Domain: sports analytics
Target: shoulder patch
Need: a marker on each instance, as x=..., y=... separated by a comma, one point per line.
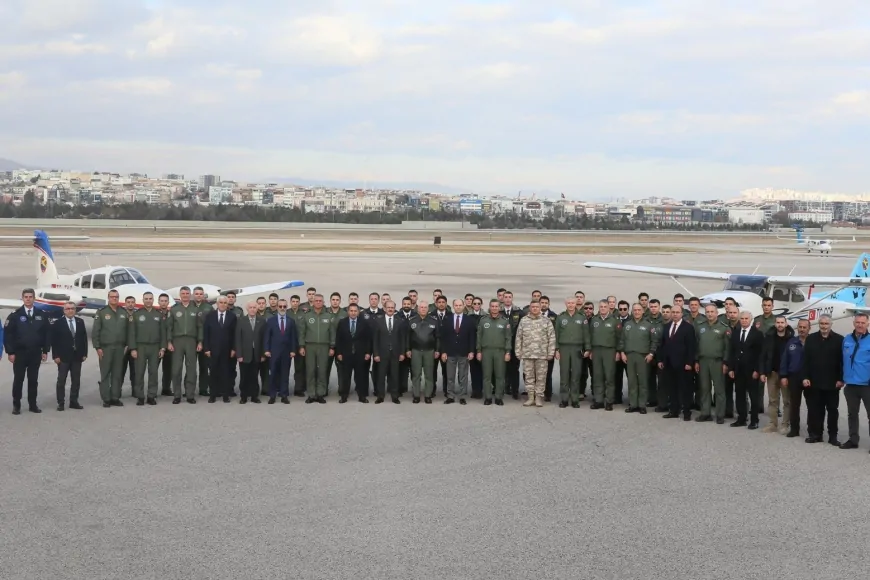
x=108, y=317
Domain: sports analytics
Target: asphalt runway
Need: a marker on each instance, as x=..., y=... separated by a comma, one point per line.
x=416, y=491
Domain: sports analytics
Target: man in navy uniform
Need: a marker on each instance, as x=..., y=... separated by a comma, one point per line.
x=26, y=340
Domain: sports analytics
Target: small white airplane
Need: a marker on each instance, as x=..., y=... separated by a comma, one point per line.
x=789, y=298
x=90, y=289
x=822, y=246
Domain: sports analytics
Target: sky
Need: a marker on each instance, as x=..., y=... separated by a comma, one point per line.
x=688, y=98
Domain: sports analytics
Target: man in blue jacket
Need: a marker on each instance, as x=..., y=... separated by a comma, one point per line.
x=856, y=375
x=791, y=376
x=280, y=343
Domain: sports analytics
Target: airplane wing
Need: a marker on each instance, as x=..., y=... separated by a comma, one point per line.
x=842, y=281
x=260, y=288
x=52, y=307
x=11, y=304
x=30, y=238
x=671, y=272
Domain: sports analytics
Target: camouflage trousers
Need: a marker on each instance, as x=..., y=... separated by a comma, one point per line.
x=535, y=375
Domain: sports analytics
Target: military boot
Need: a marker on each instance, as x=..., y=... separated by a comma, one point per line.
x=772, y=425
x=539, y=400
x=531, y=401
x=785, y=427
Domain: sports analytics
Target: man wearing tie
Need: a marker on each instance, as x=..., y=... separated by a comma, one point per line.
x=391, y=346
x=218, y=343
x=745, y=368
x=69, y=349
x=353, y=348
x=457, y=348
x=249, y=350
x=27, y=344
x=676, y=357
x=280, y=345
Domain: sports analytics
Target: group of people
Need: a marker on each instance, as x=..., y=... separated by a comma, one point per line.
x=676, y=358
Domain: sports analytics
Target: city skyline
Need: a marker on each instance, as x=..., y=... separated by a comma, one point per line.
x=626, y=99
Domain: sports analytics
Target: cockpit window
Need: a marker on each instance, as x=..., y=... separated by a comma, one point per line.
x=137, y=276
x=119, y=278
x=754, y=284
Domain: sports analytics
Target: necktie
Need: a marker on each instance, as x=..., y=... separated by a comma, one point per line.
x=743, y=336
x=673, y=329
x=281, y=320
x=458, y=319
x=222, y=318
x=353, y=327
x=390, y=325
x=72, y=326
x=253, y=322
x=29, y=313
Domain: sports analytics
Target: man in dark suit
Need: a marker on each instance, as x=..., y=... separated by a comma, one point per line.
x=744, y=367
x=280, y=345
x=512, y=372
x=69, y=349
x=475, y=367
x=353, y=348
x=218, y=344
x=249, y=351
x=458, y=343
x=440, y=314
x=390, y=347
x=676, y=357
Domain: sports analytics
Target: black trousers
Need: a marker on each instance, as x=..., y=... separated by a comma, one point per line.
x=248, y=385
x=652, y=385
x=676, y=386
x=404, y=375
x=617, y=381
x=745, y=385
x=73, y=370
x=729, y=396
x=203, y=373
x=279, y=373
x=443, y=366
x=548, y=386
x=357, y=370
x=219, y=374
x=511, y=375
x=855, y=395
x=263, y=369
x=299, y=380
x=585, y=375
x=818, y=402
x=476, y=369
x=26, y=363
x=166, y=380
x=129, y=362
x=234, y=374
x=796, y=392
x=388, y=376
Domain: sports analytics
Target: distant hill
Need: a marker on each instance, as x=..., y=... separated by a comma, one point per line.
x=412, y=185
x=8, y=165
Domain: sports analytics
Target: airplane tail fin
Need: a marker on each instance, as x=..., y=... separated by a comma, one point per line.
x=800, y=234
x=856, y=294
x=46, y=271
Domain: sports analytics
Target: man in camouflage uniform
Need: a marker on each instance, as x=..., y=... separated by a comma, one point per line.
x=604, y=329
x=110, y=336
x=637, y=346
x=535, y=346
x=714, y=348
x=494, y=338
x=572, y=340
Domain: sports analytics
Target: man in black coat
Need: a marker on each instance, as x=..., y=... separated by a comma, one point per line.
x=69, y=349
x=218, y=344
x=823, y=379
x=249, y=352
x=676, y=356
x=26, y=340
x=390, y=347
x=745, y=367
x=458, y=341
x=353, y=348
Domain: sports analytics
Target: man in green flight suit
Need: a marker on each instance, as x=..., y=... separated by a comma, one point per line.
x=494, y=343
x=604, y=329
x=637, y=345
x=316, y=339
x=572, y=340
x=184, y=341
x=110, y=336
x=714, y=347
x=147, y=343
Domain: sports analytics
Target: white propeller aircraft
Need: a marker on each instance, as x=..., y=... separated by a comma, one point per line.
x=90, y=289
x=822, y=246
x=789, y=297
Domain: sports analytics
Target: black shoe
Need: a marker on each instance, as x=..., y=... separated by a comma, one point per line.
x=499, y=403
x=256, y=400
x=203, y=393
x=321, y=400
x=397, y=401
x=166, y=393
x=462, y=401
x=416, y=400
x=834, y=442
x=487, y=402
x=151, y=401
x=449, y=401
x=729, y=414
x=309, y=400
x=753, y=425
x=563, y=405
x=516, y=396
x=60, y=406
x=661, y=409
x=226, y=399
x=739, y=423
x=652, y=404
x=299, y=393
x=271, y=400
x=75, y=405
x=642, y=410
x=687, y=417
x=476, y=396
x=192, y=401
x=16, y=410
x=379, y=400
x=608, y=407
x=427, y=400
x=212, y=399
x=34, y=409
x=703, y=418
x=792, y=434
x=116, y=403
x=140, y=402
x=670, y=415
x=175, y=401
x=720, y=421
x=631, y=410
x=342, y=400
x=575, y=405
x=547, y=398
x=849, y=445
x=363, y=400
x=596, y=406
x=243, y=401
x=285, y=400
x=813, y=440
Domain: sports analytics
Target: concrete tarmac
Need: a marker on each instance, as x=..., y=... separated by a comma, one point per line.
x=417, y=491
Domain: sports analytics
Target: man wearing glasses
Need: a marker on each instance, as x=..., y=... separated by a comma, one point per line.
x=69, y=349
x=280, y=343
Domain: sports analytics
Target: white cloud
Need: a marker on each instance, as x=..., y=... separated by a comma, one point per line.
x=11, y=81
x=327, y=41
